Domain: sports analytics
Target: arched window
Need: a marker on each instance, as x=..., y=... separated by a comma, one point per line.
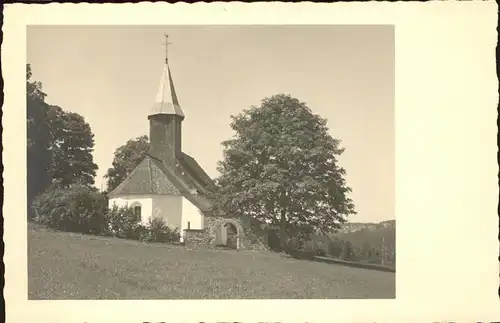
x=136, y=207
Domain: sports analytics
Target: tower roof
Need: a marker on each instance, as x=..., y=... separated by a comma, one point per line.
x=166, y=98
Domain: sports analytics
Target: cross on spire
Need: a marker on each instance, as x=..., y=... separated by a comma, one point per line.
x=166, y=48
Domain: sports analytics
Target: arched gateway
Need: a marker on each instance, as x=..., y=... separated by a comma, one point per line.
x=228, y=234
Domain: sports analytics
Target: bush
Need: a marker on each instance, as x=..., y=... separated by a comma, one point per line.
x=348, y=252
x=123, y=222
x=273, y=240
x=76, y=209
x=84, y=210
x=320, y=252
x=335, y=248
x=299, y=247
x=157, y=230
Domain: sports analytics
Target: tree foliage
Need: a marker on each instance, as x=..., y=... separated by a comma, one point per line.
x=77, y=208
x=126, y=158
x=33, y=88
x=38, y=155
x=159, y=231
x=281, y=167
x=124, y=222
x=72, y=144
x=59, y=144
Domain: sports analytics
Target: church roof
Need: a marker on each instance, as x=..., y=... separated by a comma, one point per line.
x=146, y=178
x=188, y=188
x=195, y=171
x=166, y=98
x=152, y=176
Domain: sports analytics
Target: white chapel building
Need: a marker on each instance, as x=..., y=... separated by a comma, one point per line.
x=167, y=183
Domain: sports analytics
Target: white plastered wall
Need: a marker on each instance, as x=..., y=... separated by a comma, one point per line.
x=177, y=211
x=169, y=208
x=191, y=214
x=146, y=202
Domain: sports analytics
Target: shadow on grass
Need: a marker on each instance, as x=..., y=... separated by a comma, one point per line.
x=312, y=257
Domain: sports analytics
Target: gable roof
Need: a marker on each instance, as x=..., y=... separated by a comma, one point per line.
x=146, y=178
x=152, y=176
x=195, y=170
x=186, y=187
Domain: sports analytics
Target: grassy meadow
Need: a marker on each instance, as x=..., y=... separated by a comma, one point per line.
x=73, y=266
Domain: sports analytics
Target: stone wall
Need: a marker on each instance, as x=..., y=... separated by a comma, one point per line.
x=251, y=233
x=195, y=238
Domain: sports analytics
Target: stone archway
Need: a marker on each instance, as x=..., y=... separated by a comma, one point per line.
x=228, y=234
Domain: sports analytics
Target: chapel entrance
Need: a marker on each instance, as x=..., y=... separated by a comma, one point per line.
x=227, y=236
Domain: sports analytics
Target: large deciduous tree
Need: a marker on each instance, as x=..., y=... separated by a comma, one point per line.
x=33, y=88
x=281, y=167
x=126, y=159
x=72, y=144
x=38, y=140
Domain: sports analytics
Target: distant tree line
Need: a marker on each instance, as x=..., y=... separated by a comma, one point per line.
x=365, y=246
x=368, y=252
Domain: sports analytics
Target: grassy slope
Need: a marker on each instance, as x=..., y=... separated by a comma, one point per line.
x=72, y=266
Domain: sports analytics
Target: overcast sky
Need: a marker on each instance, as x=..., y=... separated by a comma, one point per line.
x=110, y=75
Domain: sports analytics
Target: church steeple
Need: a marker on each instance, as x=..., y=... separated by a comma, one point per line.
x=165, y=119
x=166, y=98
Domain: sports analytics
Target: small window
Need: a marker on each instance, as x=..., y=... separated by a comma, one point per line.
x=136, y=207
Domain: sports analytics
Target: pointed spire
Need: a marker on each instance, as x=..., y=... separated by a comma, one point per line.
x=166, y=98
